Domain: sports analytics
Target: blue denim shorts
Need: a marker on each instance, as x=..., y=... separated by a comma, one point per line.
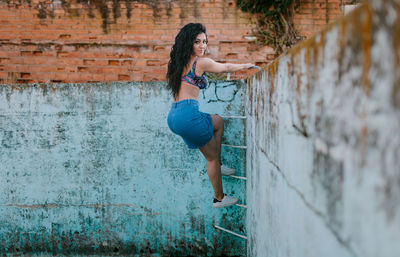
x=185, y=120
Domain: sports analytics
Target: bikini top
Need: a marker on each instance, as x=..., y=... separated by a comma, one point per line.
x=193, y=79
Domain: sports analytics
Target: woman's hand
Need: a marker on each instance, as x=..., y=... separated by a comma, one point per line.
x=245, y=66
x=249, y=65
x=252, y=66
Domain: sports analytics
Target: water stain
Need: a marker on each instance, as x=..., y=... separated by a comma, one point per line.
x=110, y=11
x=327, y=177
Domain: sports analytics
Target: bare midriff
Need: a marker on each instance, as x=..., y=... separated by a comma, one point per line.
x=187, y=91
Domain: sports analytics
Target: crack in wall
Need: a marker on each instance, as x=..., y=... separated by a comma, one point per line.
x=302, y=129
x=318, y=213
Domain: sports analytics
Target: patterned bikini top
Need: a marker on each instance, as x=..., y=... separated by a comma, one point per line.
x=193, y=79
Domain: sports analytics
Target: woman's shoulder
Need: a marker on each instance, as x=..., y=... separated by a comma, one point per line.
x=204, y=61
x=209, y=65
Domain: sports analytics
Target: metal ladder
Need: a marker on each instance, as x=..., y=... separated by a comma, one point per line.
x=236, y=177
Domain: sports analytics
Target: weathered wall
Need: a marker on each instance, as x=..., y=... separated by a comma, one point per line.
x=93, y=168
x=128, y=40
x=324, y=143
x=122, y=40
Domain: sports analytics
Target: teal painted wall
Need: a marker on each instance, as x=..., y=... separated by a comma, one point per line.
x=93, y=168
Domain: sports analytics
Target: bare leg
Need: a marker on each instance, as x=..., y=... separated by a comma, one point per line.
x=212, y=153
x=218, y=124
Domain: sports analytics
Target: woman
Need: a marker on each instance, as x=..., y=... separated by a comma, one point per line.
x=186, y=77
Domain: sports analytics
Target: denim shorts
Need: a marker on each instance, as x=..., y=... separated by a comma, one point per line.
x=185, y=120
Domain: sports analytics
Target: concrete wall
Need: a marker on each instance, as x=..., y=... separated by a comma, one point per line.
x=93, y=168
x=324, y=143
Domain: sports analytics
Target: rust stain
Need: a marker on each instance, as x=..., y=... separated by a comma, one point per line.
x=272, y=73
x=309, y=62
x=272, y=76
x=396, y=50
x=307, y=54
x=319, y=51
x=341, y=43
x=366, y=41
x=258, y=75
x=359, y=38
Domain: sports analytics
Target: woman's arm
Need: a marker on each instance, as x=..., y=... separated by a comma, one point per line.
x=209, y=65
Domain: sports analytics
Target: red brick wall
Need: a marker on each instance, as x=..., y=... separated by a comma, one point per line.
x=313, y=15
x=54, y=41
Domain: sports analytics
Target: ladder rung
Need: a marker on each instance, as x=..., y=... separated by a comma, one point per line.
x=235, y=146
x=233, y=117
x=238, y=177
x=230, y=232
x=241, y=205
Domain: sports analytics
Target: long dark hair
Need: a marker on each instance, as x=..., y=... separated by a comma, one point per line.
x=180, y=54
